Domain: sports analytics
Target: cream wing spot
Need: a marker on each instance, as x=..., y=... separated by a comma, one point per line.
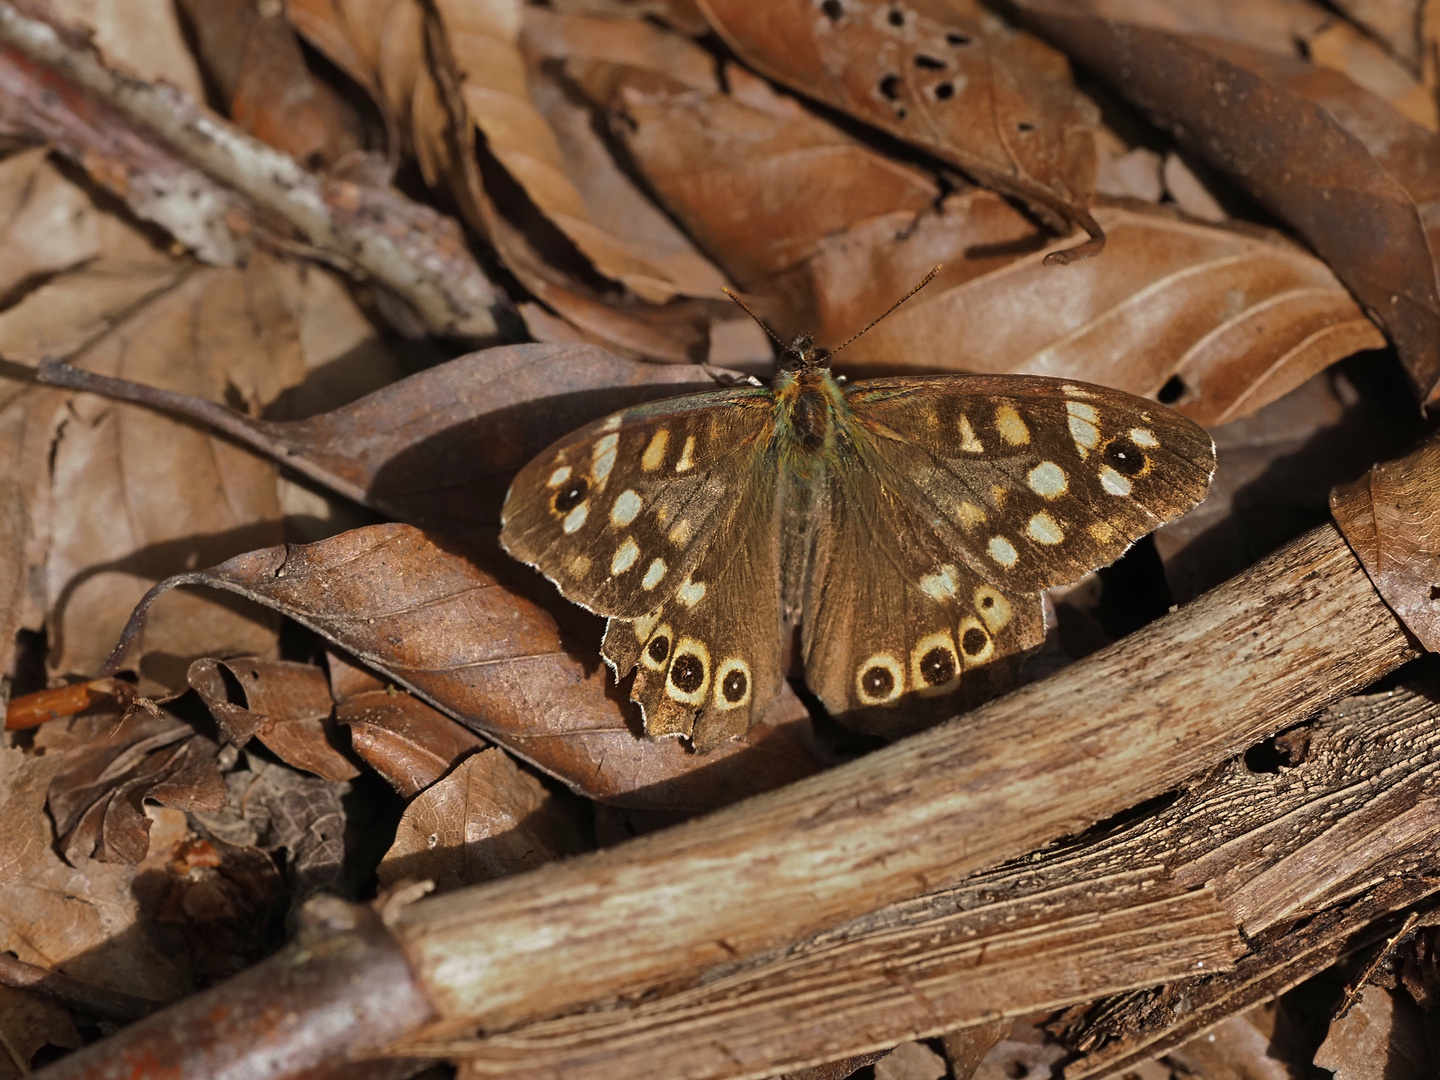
x=1082, y=411
x=1048, y=480
x=1085, y=434
x=604, y=457
x=1144, y=437
x=994, y=609
x=689, y=672
x=971, y=515
x=680, y=533
x=1044, y=529
x=643, y=625
x=654, y=455
x=612, y=423
x=968, y=442
x=626, y=508
x=559, y=476
x=934, y=667
x=687, y=455
x=1113, y=482
x=580, y=565
x=940, y=585
x=1012, y=429
x=879, y=679
x=1002, y=551
x=576, y=517
x=732, y=683
x=625, y=556
x=1075, y=391
x=653, y=574
x=690, y=592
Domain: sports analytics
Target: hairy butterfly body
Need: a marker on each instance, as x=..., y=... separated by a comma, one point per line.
x=908, y=525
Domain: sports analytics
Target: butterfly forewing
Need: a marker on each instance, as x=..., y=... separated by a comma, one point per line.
x=618, y=513
x=1032, y=482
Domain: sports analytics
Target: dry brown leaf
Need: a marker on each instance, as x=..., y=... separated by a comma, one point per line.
x=1235, y=1049
x=1391, y=518
x=409, y=743
x=49, y=223
x=137, y=495
x=435, y=621
x=85, y=923
x=285, y=705
x=967, y=1048
x=487, y=819
x=1382, y=1037
x=1239, y=318
x=1252, y=114
x=29, y=1023
x=631, y=41
x=911, y=1061
x=253, y=58
x=142, y=35
x=1344, y=48
x=756, y=179
x=947, y=77
x=1273, y=473
x=24, y=780
x=111, y=767
x=1395, y=22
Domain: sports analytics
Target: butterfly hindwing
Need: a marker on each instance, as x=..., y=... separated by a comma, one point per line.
x=707, y=661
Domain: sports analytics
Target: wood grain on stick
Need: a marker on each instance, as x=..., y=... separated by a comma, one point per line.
x=1251, y=657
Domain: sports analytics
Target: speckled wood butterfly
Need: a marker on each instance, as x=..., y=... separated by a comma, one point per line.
x=908, y=525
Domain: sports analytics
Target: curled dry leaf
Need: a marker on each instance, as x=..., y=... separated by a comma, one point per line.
x=1384, y=1036
x=948, y=78
x=85, y=923
x=50, y=224
x=433, y=620
x=112, y=766
x=1236, y=1047
x=408, y=742
x=1391, y=518
x=136, y=494
x=285, y=705
x=755, y=178
x=1240, y=108
x=1238, y=317
x=487, y=819
x=438, y=448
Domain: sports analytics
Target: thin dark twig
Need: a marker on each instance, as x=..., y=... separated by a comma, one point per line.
x=97, y=1000
x=1353, y=991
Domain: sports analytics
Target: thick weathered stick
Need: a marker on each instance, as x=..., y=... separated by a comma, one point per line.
x=1351, y=801
x=182, y=166
x=1253, y=656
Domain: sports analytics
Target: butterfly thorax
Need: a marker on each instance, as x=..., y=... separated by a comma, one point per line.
x=809, y=405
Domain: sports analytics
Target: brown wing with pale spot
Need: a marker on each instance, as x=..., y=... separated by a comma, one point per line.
x=708, y=660
x=618, y=513
x=892, y=617
x=1032, y=482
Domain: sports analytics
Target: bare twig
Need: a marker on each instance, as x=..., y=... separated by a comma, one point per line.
x=190, y=171
x=97, y=1000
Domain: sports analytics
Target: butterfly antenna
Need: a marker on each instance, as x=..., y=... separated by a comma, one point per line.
x=759, y=321
x=923, y=282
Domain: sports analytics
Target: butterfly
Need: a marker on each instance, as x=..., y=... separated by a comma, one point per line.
x=907, y=525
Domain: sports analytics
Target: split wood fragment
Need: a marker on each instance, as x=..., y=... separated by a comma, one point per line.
x=1158, y=900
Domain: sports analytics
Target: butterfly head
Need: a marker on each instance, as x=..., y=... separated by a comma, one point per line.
x=803, y=355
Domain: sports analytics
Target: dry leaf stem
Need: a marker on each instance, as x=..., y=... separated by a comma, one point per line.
x=369, y=232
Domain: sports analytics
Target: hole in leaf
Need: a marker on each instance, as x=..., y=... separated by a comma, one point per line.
x=1024, y=125
x=1435, y=592
x=929, y=63
x=945, y=91
x=832, y=10
x=1173, y=390
x=896, y=17
x=954, y=37
x=890, y=86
